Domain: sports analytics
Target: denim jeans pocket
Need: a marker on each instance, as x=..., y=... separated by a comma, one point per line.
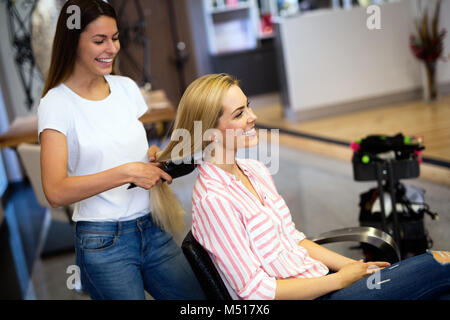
x=96, y=241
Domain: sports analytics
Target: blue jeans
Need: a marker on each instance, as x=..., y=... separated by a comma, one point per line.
x=119, y=260
x=420, y=277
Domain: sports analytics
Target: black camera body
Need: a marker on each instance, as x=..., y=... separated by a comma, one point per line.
x=403, y=154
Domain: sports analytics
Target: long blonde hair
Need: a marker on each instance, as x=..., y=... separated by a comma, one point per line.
x=202, y=101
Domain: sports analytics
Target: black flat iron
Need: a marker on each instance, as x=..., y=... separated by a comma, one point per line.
x=176, y=168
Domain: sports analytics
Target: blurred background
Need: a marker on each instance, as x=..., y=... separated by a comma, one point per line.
x=325, y=73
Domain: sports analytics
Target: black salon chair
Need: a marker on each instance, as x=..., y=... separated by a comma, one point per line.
x=204, y=269
x=215, y=289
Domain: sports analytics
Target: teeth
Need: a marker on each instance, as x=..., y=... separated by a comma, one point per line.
x=105, y=60
x=249, y=132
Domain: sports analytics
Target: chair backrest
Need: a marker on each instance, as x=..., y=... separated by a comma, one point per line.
x=30, y=155
x=204, y=269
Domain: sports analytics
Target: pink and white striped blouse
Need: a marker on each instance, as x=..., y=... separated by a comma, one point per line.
x=251, y=244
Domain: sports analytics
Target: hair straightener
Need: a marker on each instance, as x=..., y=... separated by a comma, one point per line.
x=181, y=168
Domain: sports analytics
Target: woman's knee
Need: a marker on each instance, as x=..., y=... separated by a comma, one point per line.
x=443, y=257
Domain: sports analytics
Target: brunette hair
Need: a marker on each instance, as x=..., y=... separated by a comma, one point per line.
x=65, y=42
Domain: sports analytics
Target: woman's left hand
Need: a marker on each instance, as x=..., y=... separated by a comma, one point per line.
x=151, y=153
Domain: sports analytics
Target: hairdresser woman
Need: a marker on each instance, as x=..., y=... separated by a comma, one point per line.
x=92, y=147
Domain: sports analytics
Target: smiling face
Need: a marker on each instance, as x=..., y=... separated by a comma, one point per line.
x=238, y=119
x=98, y=46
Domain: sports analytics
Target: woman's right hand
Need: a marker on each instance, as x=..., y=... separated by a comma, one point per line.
x=146, y=175
x=355, y=271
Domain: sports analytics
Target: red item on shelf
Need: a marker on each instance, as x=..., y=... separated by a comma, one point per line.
x=266, y=23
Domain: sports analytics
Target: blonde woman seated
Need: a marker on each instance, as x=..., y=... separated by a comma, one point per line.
x=245, y=225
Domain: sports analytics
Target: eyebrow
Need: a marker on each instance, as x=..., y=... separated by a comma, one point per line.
x=104, y=36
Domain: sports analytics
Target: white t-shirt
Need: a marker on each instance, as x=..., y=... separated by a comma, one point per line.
x=101, y=135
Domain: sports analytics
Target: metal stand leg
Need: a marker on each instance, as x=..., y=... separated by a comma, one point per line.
x=381, y=197
x=391, y=183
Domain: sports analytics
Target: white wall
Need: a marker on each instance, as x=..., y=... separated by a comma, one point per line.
x=199, y=36
x=444, y=67
x=331, y=57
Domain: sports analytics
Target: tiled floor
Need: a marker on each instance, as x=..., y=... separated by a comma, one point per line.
x=320, y=193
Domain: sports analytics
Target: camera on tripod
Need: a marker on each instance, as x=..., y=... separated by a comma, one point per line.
x=393, y=207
